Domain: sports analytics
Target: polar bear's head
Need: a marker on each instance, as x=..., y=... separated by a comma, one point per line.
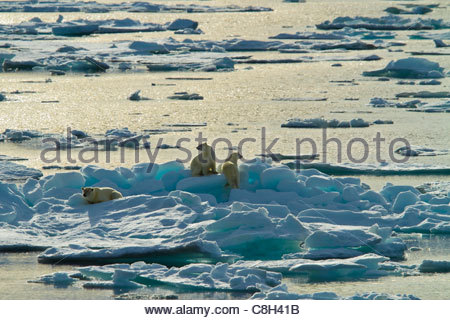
x=87, y=192
x=234, y=157
x=206, y=151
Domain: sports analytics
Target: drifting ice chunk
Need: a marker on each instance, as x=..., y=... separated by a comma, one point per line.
x=366, y=265
x=20, y=135
x=135, y=96
x=380, y=169
x=390, y=22
x=322, y=123
x=281, y=292
x=382, y=296
x=414, y=10
x=58, y=279
x=185, y=96
x=193, y=276
x=179, y=24
x=122, y=133
x=434, y=266
x=121, y=281
x=75, y=30
x=414, y=151
x=433, y=82
x=415, y=68
x=150, y=47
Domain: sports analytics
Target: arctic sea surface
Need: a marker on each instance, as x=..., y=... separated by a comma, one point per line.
x=357, y=222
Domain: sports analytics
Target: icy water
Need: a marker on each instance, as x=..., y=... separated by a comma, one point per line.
x=236, y=105
x=17, y=268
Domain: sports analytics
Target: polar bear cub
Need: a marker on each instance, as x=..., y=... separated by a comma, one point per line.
x=230, y=170
x=205, y=163
x=96, y=195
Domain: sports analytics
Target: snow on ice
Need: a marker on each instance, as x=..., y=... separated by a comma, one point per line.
x=190, y=232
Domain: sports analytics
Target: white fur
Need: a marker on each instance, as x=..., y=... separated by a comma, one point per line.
x=230, y=170
x=204, y=164
x=96, y=195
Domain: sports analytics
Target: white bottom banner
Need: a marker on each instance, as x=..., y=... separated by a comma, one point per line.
x=220, y=309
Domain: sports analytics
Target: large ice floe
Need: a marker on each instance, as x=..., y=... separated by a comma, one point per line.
x=390, y=22
x=193, y=233
x=415, y=68
x=281, y=292
x=199, y=276
x=167, y=215
x=344, y=34
x=323, y=123
x=379, y=169
x=415, y=105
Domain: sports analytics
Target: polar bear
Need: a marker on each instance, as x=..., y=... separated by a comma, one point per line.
x=205, y=163
x=230, y=170
x=96, y=195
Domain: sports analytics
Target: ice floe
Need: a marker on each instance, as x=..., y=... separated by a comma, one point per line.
x=8, y=158
x=381, y=169
x=409, y=68
x=221, y=276
x=277, y=202
x=323, y=123
x=422, y=35
x=323, y=270
x=415, y=10
x=11, y=171
x=424, y=94
x=20, y=135
x=281, y=292
x=136, y=96
x=344, y=34
x=432, y=107
x=390, y=22
x=185, y=96
x=58, y=279
x=383, y=103
x=190, y=232
x=429, y=266
x=414, y=151
x=218, y=277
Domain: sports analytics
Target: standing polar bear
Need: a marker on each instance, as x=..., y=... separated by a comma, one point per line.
x=205, y=163
x=96, y=195
x=231, y=171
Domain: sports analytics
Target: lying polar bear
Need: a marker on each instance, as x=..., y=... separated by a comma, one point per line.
x=96, y=195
